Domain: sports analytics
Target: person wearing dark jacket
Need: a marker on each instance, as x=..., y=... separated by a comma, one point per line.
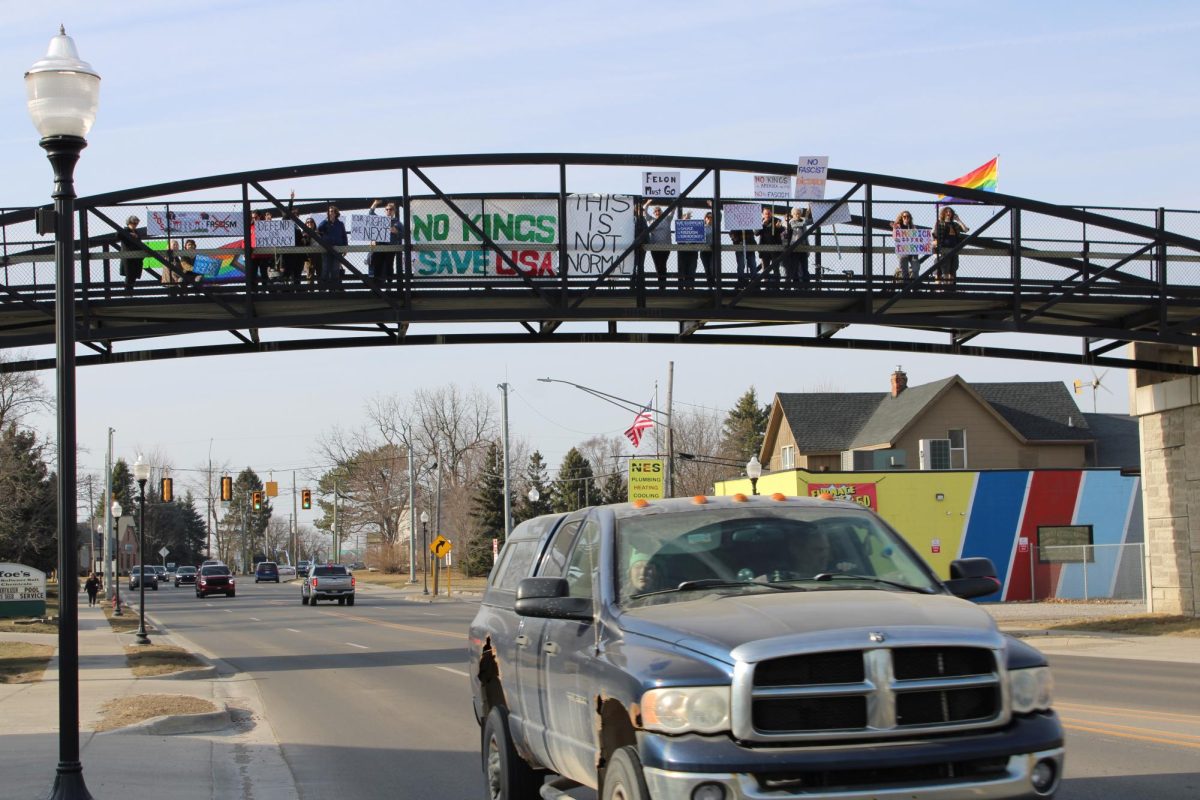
x=333, y=233
x=796, y=262
x=771, y=232
x=131, y=240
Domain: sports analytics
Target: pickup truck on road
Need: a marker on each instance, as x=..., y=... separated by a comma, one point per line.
x=745, y=648
x=330, y=582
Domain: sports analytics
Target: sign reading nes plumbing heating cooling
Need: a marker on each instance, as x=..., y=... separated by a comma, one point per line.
x=22, y=591
x=599, y=229
x=646, y=479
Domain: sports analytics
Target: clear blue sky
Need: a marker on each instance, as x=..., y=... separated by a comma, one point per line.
x=1086, y=102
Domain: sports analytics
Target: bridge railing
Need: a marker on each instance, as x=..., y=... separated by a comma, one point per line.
x=847, y=255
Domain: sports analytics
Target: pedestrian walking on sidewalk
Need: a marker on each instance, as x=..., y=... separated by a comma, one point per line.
x=92, y=586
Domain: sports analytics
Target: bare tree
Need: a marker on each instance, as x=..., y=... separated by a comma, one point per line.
x=21, y=393
x=698, y=435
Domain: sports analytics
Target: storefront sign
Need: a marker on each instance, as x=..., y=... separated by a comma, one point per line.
x=22, y=591
x=865, y=494
x=646, y=476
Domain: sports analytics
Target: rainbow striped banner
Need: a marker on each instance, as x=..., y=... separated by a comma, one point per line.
x=982, y=179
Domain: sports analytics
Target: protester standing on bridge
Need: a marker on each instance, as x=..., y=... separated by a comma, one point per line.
x=293, y=263
x=639, y=236
x=170, y=268
x=796, y=262
x=770, y=233
x=130, y=239
x=333, y=233
x=908, y=264
x=382, y=264
x=661, y=235
x=311, y=260
x=947, y=235
x=687, y=262
x=706, y=255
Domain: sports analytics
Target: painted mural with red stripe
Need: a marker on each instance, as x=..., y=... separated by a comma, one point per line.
x=1052, y=498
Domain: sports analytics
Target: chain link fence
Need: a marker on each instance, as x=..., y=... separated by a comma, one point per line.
x=1090, y=572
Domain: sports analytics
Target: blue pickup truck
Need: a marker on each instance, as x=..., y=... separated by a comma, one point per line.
x=744, y=648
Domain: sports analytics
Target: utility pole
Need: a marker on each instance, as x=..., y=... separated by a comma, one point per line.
x=507, y=494
x=109, y=522
x=337, y=543
x=670, y=432
x=294, y=556
x=412, y=519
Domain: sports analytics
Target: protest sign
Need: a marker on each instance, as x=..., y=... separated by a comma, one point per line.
x=660, y=184
x=370, y=228
x=206, y=266
x=811, y=173
x=913, y=241
x=193, y=223
x=599, y=230
x=840, y=214
x=741, y=216
x=772, y=187
x=689, y=231
x=274, y=233
x=525, y=230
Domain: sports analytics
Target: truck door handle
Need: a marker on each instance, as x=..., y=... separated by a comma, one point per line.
x=522, y=640
x=550, y=647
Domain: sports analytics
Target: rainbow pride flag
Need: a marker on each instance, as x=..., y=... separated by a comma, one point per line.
x=982, y=179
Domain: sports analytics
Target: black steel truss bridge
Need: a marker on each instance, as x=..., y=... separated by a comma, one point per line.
x=514, y=266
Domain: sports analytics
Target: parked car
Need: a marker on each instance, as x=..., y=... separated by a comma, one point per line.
x=358, y=566
x=729, y=647
x=215, y=579
x=328, y=582
x=185, y=575
x=302, y=569
x=266, y=571
x=135, y=577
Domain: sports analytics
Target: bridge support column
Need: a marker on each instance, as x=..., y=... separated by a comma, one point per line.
x=1168, y=412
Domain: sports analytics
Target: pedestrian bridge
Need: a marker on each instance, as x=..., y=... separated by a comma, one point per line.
x=514, y=248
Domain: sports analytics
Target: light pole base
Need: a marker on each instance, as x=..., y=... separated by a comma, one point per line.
x=141, y=638
x=68, y=784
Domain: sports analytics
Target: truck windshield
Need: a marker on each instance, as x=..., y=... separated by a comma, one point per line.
x=748, y=549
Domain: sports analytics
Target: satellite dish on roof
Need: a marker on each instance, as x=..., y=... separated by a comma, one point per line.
x=1095, y=384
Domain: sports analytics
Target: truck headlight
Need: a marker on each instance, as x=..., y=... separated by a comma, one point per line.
x=1030, y=689
x=690, y=709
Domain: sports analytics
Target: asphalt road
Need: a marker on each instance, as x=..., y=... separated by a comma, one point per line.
x=372, y=701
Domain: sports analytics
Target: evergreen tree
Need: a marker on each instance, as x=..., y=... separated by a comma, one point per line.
x=613, y=489
x=123, y=490
x=575, y=486
x=487, y=510
x=744, y=428
x=27, y=501
x=536, y=478
x=247, y=526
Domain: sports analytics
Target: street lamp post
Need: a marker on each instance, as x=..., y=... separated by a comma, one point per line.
x=116, y=513
x=63, y=94
x=753, y=472
x=141, y=473
x=425, y=550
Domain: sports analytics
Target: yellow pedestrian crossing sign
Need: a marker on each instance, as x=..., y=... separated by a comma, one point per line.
x=440, y=546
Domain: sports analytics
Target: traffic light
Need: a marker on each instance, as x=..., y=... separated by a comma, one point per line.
x=226, y=489
x=256, y=499
x=166, y=490
x=306, y=499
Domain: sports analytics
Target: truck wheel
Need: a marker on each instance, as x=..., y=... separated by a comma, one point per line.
x=341, y=601
x=303, y=600
x=350, y=601
x=623, y=779
x=506, y=774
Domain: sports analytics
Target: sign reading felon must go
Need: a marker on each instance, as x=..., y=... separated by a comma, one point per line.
x=22, y=591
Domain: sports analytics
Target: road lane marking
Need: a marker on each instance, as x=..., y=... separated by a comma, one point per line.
x=1155, y=739
x=254, y=619
x=1135, y=713
x=1115, y=727
x=430, y=614
x=398, y=626
x=360, y=646
x=228, y=611
x=293, y=630
x=455, y=671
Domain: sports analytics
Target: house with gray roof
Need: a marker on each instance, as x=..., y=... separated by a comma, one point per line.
x=946, y=424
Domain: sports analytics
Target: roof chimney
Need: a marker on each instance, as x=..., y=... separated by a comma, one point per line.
x=899, y=382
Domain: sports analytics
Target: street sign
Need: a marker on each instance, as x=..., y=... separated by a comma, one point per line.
x=440, y=546
x=128, y=547
x=163, y=552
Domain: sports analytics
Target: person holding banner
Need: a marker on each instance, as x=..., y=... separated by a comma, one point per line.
x=332, y=231
x=292, y=264
x=382, y=264
x=130, y=239
x=706, y=255
x=908, y=264
x=746, y=265
x=661, y=235
x=687, y=262
x=771, y=233
x=796, y=262
x=947, y=235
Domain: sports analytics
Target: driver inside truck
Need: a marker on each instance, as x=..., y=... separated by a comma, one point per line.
x=644, y=575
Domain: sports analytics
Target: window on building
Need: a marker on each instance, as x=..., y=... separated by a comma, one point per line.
x=787, y=457
x=958, y=448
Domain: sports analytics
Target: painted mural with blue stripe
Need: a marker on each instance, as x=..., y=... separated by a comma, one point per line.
x=1106, y=499
x=995, y=514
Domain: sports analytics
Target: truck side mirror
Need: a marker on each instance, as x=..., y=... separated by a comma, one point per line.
x=548, y=597
x=973, y=577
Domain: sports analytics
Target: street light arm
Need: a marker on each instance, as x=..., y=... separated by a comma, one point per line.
x=620, y=402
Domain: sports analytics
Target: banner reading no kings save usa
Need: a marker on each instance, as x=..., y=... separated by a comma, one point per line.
x=599, y=229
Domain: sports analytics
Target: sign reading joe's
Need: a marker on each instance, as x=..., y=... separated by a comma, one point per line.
x=22, y=591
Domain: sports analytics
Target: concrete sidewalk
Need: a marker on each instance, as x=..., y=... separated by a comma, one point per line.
x=241, y=759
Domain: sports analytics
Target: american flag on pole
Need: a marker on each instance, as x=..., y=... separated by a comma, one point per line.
x=641, y=423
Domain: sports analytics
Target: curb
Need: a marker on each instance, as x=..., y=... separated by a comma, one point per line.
x=175, y=724
x=207, y=672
